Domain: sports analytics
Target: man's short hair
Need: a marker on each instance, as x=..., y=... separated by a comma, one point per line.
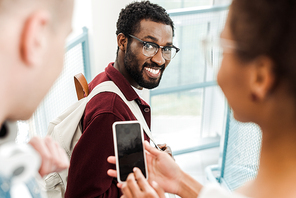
x=131, y=16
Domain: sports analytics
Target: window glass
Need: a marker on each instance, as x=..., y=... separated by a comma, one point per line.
x=188, y=106
x=174, y=4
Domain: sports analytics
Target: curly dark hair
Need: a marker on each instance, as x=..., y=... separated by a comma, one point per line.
x=130, y=17
x=267, y=27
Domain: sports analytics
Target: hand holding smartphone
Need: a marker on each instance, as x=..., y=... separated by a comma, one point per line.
x=129, y=149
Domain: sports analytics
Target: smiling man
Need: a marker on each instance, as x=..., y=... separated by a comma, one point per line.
x=145, y=48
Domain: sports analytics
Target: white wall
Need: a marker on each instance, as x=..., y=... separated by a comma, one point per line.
x=100, y=18
x=105, y=15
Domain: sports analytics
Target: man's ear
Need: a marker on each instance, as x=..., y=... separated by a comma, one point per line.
x=122, y=41
x=34, y=38
x=262, y=77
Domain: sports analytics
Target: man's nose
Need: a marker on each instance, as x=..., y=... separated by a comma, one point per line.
x=158, y=58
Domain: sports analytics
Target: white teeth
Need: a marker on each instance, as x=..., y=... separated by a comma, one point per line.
x=154, y=71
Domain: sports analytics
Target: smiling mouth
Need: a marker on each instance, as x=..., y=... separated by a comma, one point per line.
x=153, y=73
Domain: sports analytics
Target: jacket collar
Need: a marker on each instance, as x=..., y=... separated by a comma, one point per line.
x=121, y=83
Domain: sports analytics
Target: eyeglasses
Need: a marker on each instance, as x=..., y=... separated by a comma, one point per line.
x=150, y=49
x=214, y=49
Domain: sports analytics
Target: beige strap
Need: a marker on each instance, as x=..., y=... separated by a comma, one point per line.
x=82, y=91
x=81, y=86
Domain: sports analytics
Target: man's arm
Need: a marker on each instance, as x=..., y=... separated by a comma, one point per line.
x=166, y=148
x=87, y=175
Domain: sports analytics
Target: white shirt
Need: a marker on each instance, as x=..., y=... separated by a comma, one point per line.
x=216, y=191
x=20, y=190
x=138, y=91
x=12, y=158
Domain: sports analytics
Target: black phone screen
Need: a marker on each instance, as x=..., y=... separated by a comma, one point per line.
x=129, y=149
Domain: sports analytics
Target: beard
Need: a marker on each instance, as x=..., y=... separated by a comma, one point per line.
x=137, y=72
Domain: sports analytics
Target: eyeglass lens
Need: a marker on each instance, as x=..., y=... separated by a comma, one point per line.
x=151, y=49
x=213, y=54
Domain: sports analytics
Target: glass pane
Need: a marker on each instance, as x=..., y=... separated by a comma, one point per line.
x=176, y=118
x=242, y=153
x=62, y=94
x=174, y=4
x=189, y=65
x=181, y=119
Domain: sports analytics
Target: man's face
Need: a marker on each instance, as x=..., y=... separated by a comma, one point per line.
x=147, y=71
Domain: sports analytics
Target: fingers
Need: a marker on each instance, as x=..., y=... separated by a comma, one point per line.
x=166, y=149
x=111, y=159
x=142, y=182
x=130, y=188
x=162, y=146
x=54, y=158
x=40, y=146
x=54, y=152
x=119, y=185
x=64, y=160
x=137, y=186
x=158, y=189
x=151, y=149
x=169, y=151
x=112, y=173
x=59, y=158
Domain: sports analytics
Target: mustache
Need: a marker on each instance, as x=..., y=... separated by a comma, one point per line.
x=153, y=65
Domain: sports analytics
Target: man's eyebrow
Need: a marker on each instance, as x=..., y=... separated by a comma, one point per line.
x=155, y=39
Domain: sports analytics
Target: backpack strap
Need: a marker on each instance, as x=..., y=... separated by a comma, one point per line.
x=109, y=86
x=81, y=86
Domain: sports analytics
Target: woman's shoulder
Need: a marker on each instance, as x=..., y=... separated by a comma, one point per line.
x=216, y=191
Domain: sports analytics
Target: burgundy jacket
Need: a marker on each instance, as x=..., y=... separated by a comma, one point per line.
x=88, y=166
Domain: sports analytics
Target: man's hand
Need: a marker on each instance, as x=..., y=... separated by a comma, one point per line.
x=137, y=186
x=166, y=149
x=161, y=169
x=54, y=158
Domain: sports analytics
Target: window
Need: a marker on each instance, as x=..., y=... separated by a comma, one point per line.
x=175, y=4
x=188, y=106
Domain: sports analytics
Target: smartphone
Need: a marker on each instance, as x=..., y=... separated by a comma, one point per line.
x=129, y=148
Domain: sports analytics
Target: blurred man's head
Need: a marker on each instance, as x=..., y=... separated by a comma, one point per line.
x=145, y=42
x=32, y=43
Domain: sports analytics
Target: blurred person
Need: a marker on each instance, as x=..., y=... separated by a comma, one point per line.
x=257, y=76
x=145, y=48
x=32, y=44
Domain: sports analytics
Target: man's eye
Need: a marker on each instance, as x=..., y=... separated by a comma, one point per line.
x=149, y=47
x=167, y=49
